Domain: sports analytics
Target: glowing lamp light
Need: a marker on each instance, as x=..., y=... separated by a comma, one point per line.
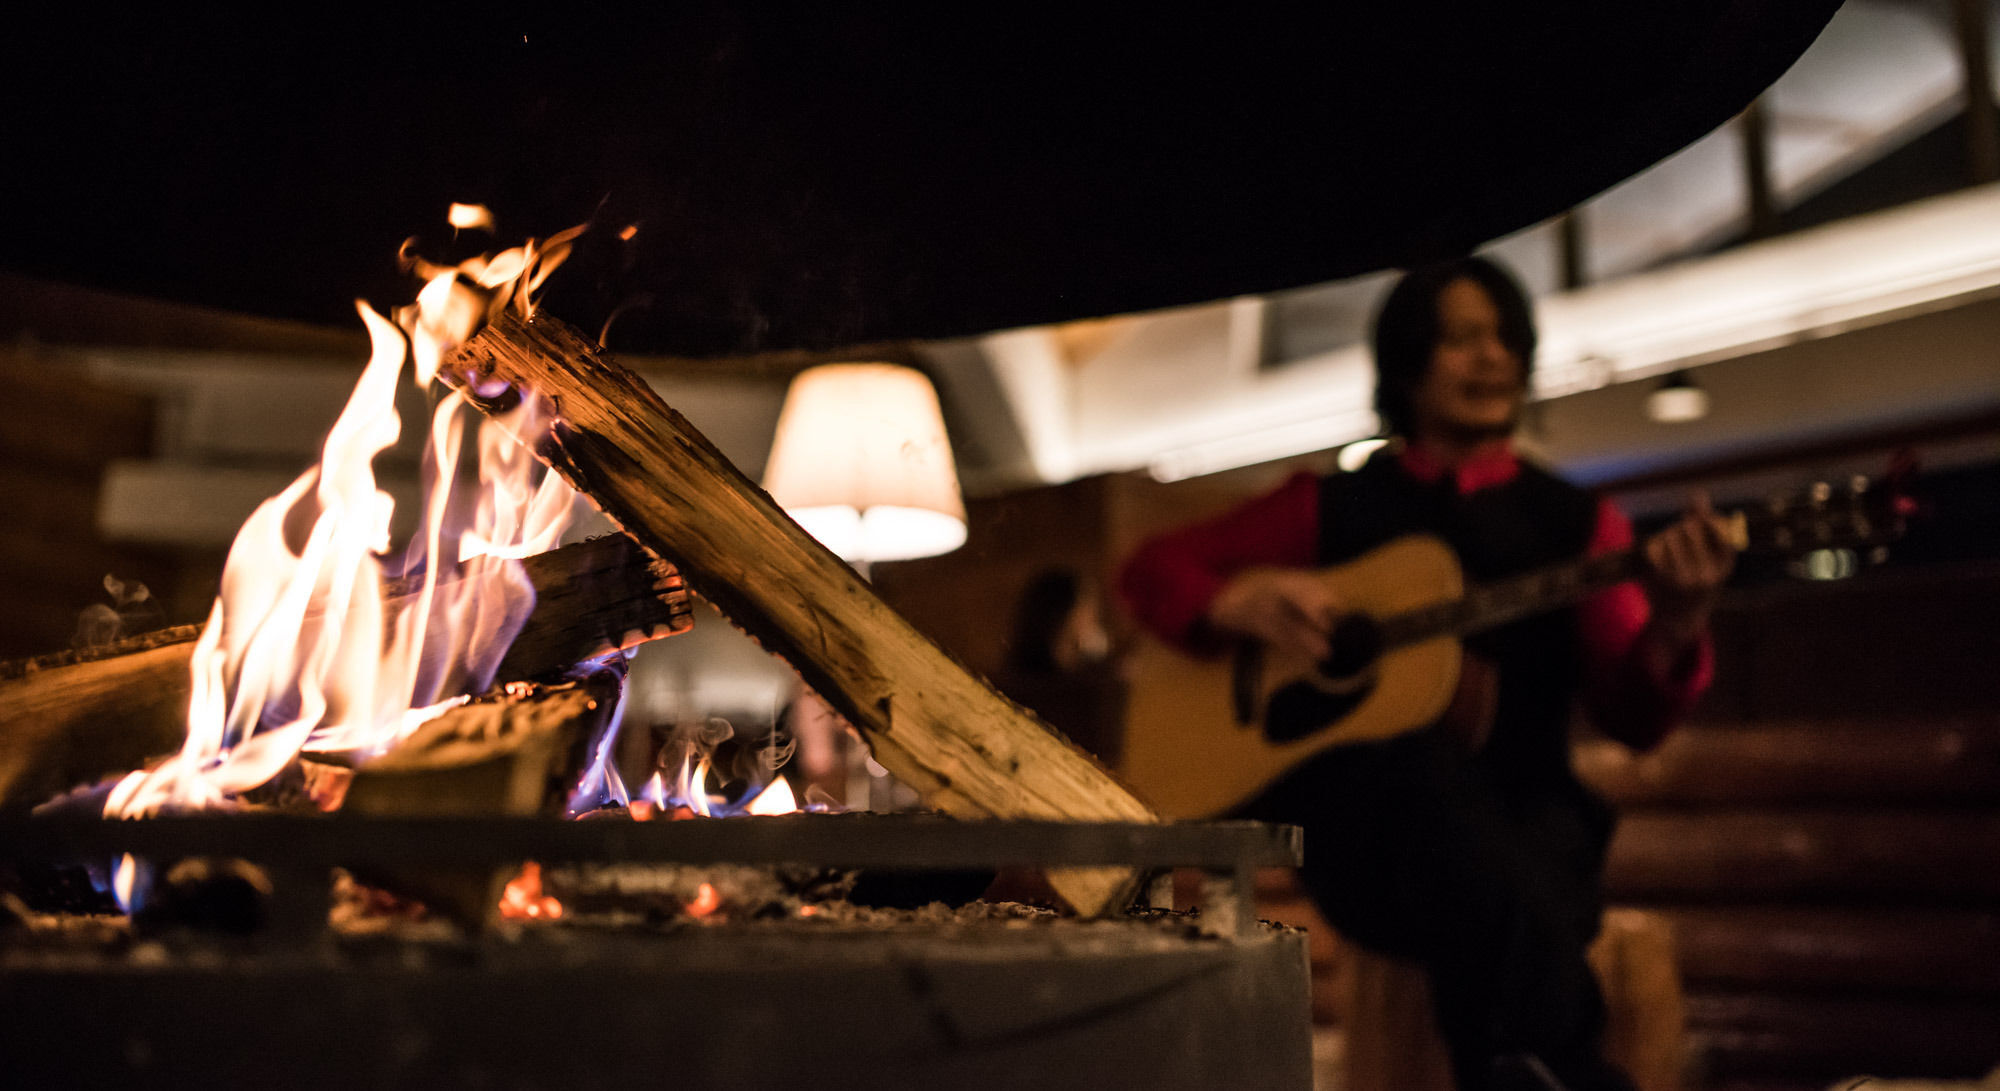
x=862, y=462
x=1677, y=400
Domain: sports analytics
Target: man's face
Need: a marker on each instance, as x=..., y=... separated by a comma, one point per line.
x=1474, y=386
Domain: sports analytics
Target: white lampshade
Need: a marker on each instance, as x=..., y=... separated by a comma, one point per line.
x=861, y=461
x=1677, y=400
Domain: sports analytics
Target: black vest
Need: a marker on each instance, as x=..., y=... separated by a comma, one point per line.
x=1533, y=520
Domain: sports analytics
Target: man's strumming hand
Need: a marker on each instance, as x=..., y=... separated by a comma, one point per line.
x=1288, y=608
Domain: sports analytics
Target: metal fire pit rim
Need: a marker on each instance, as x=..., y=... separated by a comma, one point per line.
x=887, y=841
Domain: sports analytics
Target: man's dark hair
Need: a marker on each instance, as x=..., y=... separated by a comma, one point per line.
x=1406, y=330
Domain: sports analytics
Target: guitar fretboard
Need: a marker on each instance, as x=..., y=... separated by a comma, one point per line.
x=1490, y=605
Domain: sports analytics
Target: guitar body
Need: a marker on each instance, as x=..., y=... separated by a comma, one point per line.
x=1186, y=752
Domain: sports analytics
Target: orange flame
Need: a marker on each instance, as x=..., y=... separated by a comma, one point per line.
x=299, y=652
x=469, y=216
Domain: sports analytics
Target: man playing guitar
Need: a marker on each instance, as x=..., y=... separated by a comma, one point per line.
x=1467, y=846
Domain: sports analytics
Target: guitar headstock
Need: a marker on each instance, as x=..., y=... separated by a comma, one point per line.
x=1860, y=515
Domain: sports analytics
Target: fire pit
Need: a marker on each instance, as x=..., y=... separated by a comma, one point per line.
x=457, y=700
x=991, y=995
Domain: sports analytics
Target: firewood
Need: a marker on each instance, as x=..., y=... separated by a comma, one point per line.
x=73, y=717
x=968, y=750
x=517, y=751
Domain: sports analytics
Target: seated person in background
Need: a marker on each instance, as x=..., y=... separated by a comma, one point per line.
x=1060, y=661
x=1468, y=847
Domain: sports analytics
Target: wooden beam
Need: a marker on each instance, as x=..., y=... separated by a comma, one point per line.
x=74, y=717
x=1754, y=128
x=970, y=751
x=1572, y=244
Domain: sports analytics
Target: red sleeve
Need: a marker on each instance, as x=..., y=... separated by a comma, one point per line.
x=1633, y=696
x=1169, y=581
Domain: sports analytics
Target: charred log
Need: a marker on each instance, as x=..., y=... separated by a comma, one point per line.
x=518, y=751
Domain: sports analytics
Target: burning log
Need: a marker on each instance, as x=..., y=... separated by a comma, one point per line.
x=967, y=749
x=515, y=752
x=76, y=716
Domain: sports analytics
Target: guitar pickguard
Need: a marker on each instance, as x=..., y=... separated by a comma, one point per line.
x=1336, y=687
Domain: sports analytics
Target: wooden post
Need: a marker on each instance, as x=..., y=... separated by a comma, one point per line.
x=967, y=749
x=1572, y=244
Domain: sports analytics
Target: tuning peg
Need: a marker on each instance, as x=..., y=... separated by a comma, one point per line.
x=1857, y=485
x=1879, y=555
x=1821, y=492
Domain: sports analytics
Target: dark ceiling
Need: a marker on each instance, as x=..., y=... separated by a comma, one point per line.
x=820, y=177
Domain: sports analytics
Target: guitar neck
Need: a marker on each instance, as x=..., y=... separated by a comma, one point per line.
x=1490, y=605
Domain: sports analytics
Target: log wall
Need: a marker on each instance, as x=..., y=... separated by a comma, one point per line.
x=1824, y=837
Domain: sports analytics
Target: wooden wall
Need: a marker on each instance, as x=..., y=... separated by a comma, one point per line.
x=965, y=599
x=57, y=433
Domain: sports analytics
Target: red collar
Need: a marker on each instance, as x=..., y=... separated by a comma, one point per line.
x=1490, y=466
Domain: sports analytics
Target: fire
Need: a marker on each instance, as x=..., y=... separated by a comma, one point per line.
x=777, y=799
x=689, y=792
x=464, y=217
x=299, y=652
x=523, y=898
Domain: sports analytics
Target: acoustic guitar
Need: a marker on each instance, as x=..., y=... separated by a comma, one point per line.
x=1205, y=736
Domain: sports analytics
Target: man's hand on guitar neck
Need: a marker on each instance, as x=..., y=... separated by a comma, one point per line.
x=1688, y=563
x=1287, y=608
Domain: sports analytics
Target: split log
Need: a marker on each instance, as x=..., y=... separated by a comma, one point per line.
x=517, y=751
x=74, y=717
x=968, y=750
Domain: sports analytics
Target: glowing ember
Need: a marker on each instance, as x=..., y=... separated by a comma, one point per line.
x=523, y=899
x=706, y=901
